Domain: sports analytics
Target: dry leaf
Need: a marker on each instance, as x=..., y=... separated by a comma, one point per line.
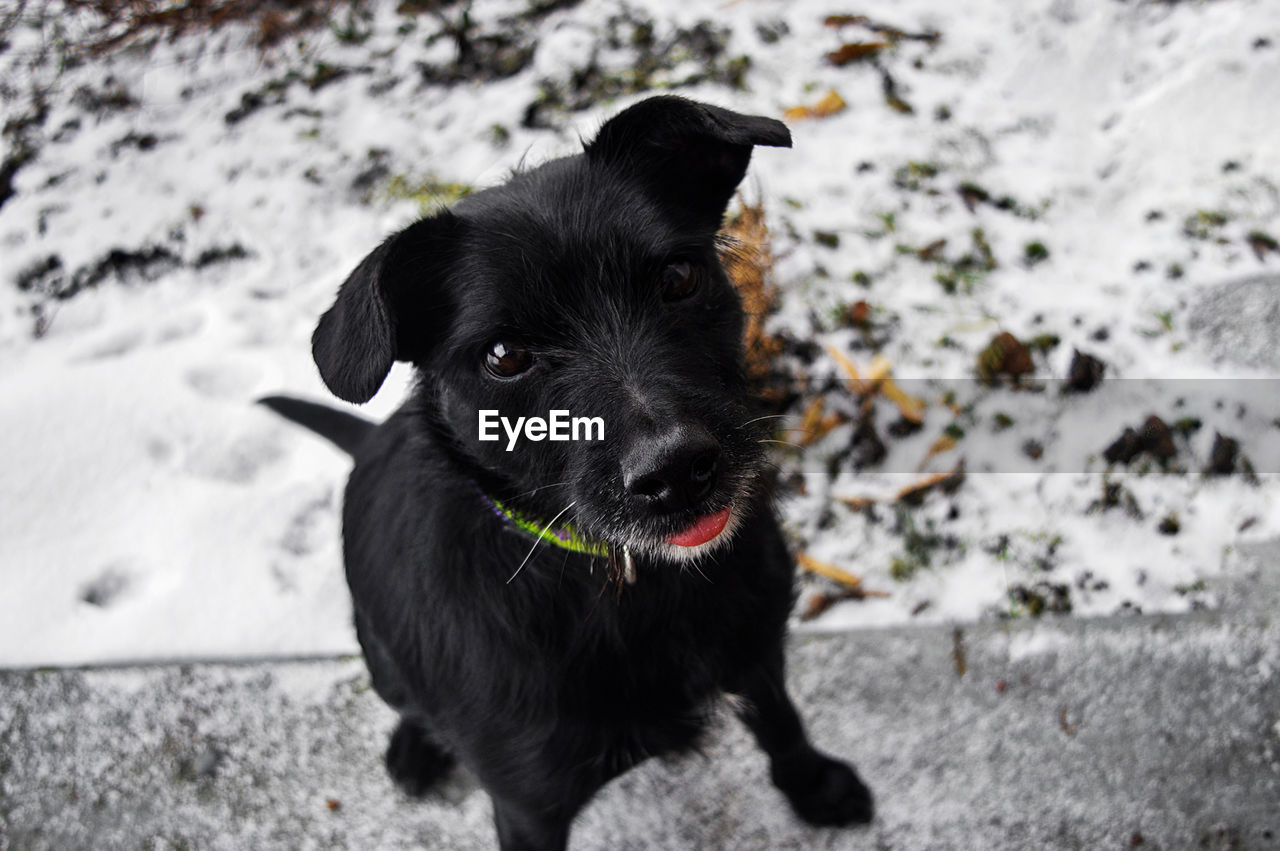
x=911, y=408
x=878, y=379
x=814, y=426
x=822, y=601
x=932, y=251
x=860, y=313
x=830, y=571
x=843, y=20
x=887, y=30
x=855, y=52
x=943, y=444
x=818, y=604
x=748, y=261
x=847, y=365
x=914, y=494
x=1005, y=355
x=1064, y=724
x=897, y=104
x=812, y=416
x=830, y=104
x=880, y=368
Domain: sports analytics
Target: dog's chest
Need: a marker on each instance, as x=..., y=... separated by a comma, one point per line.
x=643, y=704
x=663, y=658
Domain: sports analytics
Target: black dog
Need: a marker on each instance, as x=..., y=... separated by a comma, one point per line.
x=554, y=613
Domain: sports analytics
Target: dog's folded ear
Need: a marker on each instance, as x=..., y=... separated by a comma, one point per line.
x=685, y=153
x=388, y=309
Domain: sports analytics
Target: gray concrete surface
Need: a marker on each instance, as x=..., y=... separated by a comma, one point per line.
x=1158, y=732
x=1236, y=320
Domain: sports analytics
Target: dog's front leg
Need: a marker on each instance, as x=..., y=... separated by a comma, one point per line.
x=524, y=828
x=822, y=790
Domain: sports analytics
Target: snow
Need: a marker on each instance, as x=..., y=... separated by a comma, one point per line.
x=139, y=474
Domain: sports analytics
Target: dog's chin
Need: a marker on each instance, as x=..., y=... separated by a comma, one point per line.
x=658, y=547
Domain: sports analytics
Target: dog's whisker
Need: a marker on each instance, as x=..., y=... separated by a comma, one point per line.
x=538, y=488
x=765, y=417
x=782, y=443
x=694, y=565
x=545, y=529
x=563, y=564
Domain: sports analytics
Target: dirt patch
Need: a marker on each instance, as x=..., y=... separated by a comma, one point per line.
x=50, y=280
x=651, y=62
x=119, y=24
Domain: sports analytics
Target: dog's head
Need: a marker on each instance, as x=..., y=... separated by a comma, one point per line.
x=589, y=285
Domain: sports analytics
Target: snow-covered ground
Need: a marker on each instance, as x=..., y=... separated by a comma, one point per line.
x=206, y=198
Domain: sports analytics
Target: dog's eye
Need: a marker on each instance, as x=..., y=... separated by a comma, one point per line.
x=679, y=280
x=506, y=359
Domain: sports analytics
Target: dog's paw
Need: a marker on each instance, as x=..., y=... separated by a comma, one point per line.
x=824, y=791
x=414, y=761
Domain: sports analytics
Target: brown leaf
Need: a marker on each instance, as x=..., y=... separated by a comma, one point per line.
x=857, y=503
x=814, y=425
x=897, y=104
x=860, y=313
x=835, y=21
x=1005, y=355
x=818, y=604
x=747, y=258
x=879, y=380
x=830, y=104
x=932, y=251
x=943, y=444
x=855, y=52
x=830, y=571
x=847, y=365
x=887, y=30
x=911, y=408
x=914, y=494
x=824, y=600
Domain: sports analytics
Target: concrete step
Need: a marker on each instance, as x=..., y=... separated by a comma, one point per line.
x=1155, y=732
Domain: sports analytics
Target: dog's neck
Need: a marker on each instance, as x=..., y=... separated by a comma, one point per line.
x=565, y=535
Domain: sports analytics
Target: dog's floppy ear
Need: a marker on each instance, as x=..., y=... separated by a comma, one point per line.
x=685, y=153
x=387, y=310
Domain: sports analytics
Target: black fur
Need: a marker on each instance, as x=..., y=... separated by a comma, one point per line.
x=347, y=431
x=549, y=680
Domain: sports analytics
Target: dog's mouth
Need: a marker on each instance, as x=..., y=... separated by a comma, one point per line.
x=690, y=534
x=695, y=535
x=703, y=530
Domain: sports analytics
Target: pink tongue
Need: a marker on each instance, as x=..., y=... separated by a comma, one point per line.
x=702, y=530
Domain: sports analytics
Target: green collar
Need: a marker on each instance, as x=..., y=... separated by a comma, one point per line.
x=565, y=536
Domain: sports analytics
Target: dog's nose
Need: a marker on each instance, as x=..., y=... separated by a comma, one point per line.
x=674, y=471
